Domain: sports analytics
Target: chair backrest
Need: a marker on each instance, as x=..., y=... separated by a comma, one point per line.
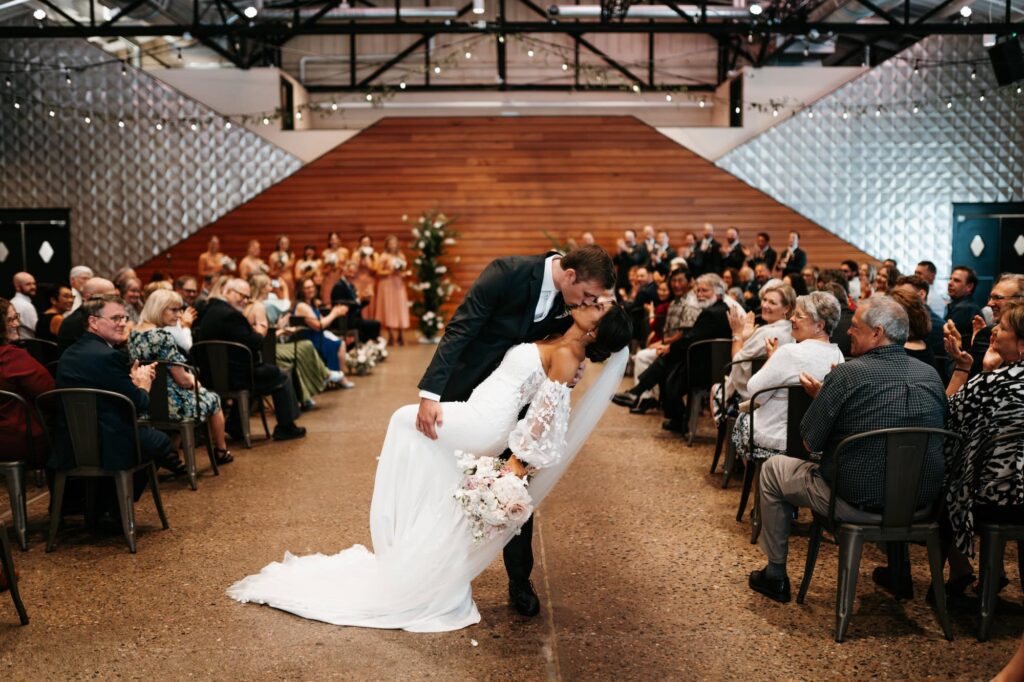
x=8, y=400
x=906, y=451
x=798, y=404
x=81, y=418
x=719, y=356
x=988, y=446
x=159, y=394
x=42, y=350
x=268, y=354
x=213, y=360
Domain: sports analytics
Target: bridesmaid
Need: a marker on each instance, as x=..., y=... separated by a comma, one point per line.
x=280, y=271
x=333, y=260
x=365, y=280
x=252, y=264
x=391, y=306
x=307, y=267
x=212, y=262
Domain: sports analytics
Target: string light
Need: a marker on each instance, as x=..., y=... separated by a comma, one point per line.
x=400, y=85
x=17, y=104
x=974, y=74
x=7, y=82
x=469, y=55
x=39, y=14
x=915, y=109
x=529, y=53
x=250, y=12
x=878, y=112
x=67, y=78
x=159, y=125
x=193, y=126
x=756, y=9
x=981, y=98
x=87, y=120
x=810, y=113
x=565, y=67
x=736, y=110
x=917, y=69
x=966, y=12
x=636, y=88
x=51, y=113
x=949, y=104
x=266, y=121
x=437, y=69
x=846, y=115
x=334, y=105
x=501, y=39
x=668, y=98
x=775, y=112
x=298, y=115
x=369, y=97
x=124, y=69
x=120, y=124
x=701, y=103
x=227, y=125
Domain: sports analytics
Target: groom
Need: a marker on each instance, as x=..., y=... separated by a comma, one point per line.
x=517, y=299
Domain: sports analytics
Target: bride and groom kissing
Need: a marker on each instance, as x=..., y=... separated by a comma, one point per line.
x=498, y=385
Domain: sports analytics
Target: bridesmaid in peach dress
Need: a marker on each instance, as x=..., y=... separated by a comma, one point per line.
x=365, y=280
x=213, y=262
x=392, y=304
x=332, y=261
x=280, y=267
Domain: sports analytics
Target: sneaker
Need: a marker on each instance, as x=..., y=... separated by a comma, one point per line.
x=334, y=377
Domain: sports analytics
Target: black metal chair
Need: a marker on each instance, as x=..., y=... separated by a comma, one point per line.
x=725, y=428
x=42, y=350
x=797, y=404
x=80, y=409
x=14, y=472
x=212, y=357
x=7, y=561
x=159, y=417
x=899, y=521
x=994, y=537
x=720, y=351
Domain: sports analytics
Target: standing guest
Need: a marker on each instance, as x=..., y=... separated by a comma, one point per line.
x=151, y=341
x=333, y=259
x=627, y=257
x=662, y=254
x=762, y=252
x=880, y=388
x=647, y=245
x=850, y=271
x=392, y=301
x=25, y=291
x=61, y=300
x=796, y=280
x=20, y=373
x=11, y=322
x=308, y=265
x=733, y=253
x=587, y=239
x=122, y=274
x=810, y=275
x=131, y=291
x=79, y=275
x=365, y=279
x=962, y=308
x=212, y=262
x=707, y=254
x=252, y=264
x=280, y=266
x=344, y=293
x=187, y=287
x=689, y=246
x=330, y=347
x=751, y=292
x=885, y=280
x=920, y=325
x=936, y=301
x=76, y=323
x=224, y=321
x=793, y=260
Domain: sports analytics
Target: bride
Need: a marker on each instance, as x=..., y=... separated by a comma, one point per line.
x=418, y=577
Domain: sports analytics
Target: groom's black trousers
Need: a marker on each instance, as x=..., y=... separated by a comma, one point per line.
x=518, y=554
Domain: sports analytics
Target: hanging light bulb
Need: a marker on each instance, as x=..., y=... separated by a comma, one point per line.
x=974, y=74
x=529, y=53
x=775, y=112
x=250, y=12
x=437, y=69
x=917, y=69
x=17, y=104
x=846, y=115
x=51, y=113
x=756, y=9
x=401, y=86
x=702, y=103
x=67, y=78
x=7, y=82
x=266, y=121
x=227, y=125
x=120, y=124
x=736, y=110
x=878, y=112
x=810, y=113
x=966, y=12
x=807, y=51
x=981, y=98
x=915, y=109
x=565, y=67
x=334, y=105
x=39, y=14
x=668, y=98
x=369, y=97
x=181, y=57
x=87, y=120
x=478, y=7
x=159, y=125
x=298, y=115
x=468, y=55
x=193, y=126
x=949, y=104
x=501, y=39
x=636, y=88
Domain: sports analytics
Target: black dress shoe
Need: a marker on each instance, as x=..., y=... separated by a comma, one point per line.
x=674, y=425
x=773, y=588
x=882, y=575
x=174, y=465
x=522, y=598
x=627, y=399
x=643, y=406
x=290, y=432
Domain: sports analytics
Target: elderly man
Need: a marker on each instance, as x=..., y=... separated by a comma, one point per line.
x=660, y=257
x=25, y=289
x=733, y=253
x=712, y=323
x=936, y=301
x=76, y=322
x=1009, y=287
x=79, y=275
x=707, y=254
x=962, y=308
x=880, y=388
x=224, y=321
x=629, y=255
x=762, y=251
x=187, y=287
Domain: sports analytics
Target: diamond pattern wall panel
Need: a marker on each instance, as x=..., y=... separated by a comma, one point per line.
x=133, y=190
x=886, y=183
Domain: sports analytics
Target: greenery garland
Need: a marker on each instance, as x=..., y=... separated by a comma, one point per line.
x=431, y=234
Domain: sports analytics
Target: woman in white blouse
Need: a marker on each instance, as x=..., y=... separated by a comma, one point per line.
x=813, y=320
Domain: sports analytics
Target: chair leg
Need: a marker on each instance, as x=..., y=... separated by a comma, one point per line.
x=12, y=581
x=748, y=482
x=263, y=417
x=56, y=504
x=188, y=446
x=126, y=503
x=936, y=562
x=1020, y=563
x=755, y=510
x=154, y=487
x=243, y=417
x=729, y=464
x=813, y=545
x=210, y=446
x=719, y=444
x=15, y=476
x=851, y=545
x=990, y=563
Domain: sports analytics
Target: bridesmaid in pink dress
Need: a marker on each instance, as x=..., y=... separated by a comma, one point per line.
x=333, y=261
x=365, y=280
x=392, y=304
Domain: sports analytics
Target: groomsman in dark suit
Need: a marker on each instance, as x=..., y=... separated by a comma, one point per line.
x=516, y=299
x=344, y=293
x=732, y=252
x=630, y=254
x=793, y=260
x=707, y=256
x=762, y=252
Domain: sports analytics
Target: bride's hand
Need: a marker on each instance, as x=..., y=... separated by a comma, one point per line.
x=516, y=466
x=429, y=417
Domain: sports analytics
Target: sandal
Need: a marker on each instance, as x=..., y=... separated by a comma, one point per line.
x=222, y=456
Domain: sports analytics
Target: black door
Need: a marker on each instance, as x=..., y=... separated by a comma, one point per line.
x=36, y=241
x=990, y=239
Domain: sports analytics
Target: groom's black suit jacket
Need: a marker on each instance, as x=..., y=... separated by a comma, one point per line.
x=496, y=314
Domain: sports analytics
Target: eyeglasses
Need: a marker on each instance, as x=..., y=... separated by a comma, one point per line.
x=174, y=310
x=190, y=292
x=997, y=297
x=116, y=319
x=245, y=297
x=15, y=317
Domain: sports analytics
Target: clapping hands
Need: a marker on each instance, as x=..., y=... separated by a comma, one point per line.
x=742, y=325
x=954, y=347
x=142, y=375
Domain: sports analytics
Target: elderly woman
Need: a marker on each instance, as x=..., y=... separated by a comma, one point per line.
x=750, y=341
x=984, y=486
x=21, y=374
x=152, y=340
x=814, y=317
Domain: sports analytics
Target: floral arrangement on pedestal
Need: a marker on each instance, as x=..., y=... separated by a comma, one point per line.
x=431, y=235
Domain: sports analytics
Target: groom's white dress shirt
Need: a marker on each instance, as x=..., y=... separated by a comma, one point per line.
x=545, y=301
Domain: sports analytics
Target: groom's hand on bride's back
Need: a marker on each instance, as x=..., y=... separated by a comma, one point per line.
x=579, y=374
x=429, y=418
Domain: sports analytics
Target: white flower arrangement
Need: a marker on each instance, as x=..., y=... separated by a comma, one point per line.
x=360, y=360
x=228, y=263
x=492, y=497
x=331, y=258
x=440, y=269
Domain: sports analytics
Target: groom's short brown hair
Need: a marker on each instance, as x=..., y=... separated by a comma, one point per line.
x=592, y=264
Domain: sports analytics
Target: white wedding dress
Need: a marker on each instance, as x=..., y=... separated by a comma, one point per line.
x=418, y=576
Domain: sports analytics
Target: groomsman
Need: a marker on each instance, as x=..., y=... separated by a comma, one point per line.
x=733, y=255
x=707, y=256
x=762, y=252
x=793, y=259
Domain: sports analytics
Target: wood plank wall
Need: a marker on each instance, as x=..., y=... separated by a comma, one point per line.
x=506, y=180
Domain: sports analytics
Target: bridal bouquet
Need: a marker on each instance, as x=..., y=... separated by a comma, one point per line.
x=492, y=497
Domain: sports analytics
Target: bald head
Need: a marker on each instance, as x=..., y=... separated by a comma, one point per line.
x=97, y=286
x=24, y=283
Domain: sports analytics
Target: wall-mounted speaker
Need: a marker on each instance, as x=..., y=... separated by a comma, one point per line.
x=1007, y=60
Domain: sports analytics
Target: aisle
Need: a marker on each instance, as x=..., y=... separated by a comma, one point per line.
x=641, y=569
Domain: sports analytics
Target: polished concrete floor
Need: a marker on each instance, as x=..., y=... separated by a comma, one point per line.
x=641, y=568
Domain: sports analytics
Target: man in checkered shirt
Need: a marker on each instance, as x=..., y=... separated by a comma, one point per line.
x=881, y=388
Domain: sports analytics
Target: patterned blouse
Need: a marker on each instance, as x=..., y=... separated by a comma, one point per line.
x=158, y=344
x=990, y=404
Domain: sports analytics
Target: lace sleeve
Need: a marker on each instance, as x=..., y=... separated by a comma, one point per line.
x=539, y=438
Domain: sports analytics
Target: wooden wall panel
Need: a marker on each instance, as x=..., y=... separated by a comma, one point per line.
x=506, y=180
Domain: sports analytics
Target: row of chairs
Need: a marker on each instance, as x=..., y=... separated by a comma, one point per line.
x=899, y=521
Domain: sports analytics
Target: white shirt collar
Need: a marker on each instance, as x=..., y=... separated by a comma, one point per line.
x=548, y=283
x=21, y=297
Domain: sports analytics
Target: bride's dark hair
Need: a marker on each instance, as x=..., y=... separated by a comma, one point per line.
x=613, y=332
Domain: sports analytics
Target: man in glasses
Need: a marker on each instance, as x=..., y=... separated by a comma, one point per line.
x=1009, y=287
x=76, y=323
x=94, y=362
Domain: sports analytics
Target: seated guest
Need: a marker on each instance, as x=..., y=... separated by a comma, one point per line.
x=712, y=323
x=25, y=291
x=984, y=487
x=152, y=340
x=880, y=388
x=936, y=301
x=344, y=293
x=1009, y=288
x=93, y=362
x=750, y=341
x=656, y=312
x=131, y=292
x=866, y=278
x=330, y=347
x=20, y=373
x=811, y=275
x=962, y=308
x=885, y=280
x=310, y=369
x=79, y=275
x=224, y=321
x=841, y=334
x=61, y=299
x=187, y=287
x=919, y=287
x=75, y=323
x=751, y=292
x=814, y=317
x=920, y=325
x=850, y=269
x=796, y=280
